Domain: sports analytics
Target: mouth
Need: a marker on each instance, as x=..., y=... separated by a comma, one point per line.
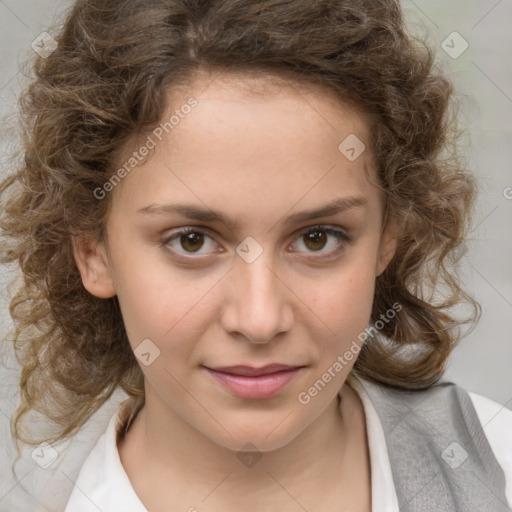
x=254, y=383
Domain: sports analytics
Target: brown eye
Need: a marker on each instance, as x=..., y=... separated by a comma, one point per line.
x=192, y=242
x=315, y=240
x=189, y=241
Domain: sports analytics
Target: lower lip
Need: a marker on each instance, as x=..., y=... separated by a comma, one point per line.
x=264, y=386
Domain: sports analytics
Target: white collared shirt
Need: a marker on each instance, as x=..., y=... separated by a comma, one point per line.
x=103, y=484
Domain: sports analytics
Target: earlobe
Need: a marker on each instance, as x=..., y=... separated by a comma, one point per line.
x=92, y=262
x=387, y=247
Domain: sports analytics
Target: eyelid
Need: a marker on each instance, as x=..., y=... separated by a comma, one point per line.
x=183, y=231
x=327, y=228
x=340, y=234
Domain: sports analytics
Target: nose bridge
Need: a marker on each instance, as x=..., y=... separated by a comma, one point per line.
x=260, y=280
x=259, y=308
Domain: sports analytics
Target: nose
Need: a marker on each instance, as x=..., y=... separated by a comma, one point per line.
x=258, y=303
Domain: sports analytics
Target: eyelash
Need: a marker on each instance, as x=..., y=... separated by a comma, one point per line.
x=339, y=235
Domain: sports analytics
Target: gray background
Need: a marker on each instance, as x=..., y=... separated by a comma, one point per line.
x=483, y=78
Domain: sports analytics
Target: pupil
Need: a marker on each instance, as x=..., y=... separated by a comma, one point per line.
x=191, y=239
x=317, y=237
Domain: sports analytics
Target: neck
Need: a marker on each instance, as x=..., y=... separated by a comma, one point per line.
x=170, y=450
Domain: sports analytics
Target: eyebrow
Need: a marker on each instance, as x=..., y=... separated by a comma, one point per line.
x=201, y=214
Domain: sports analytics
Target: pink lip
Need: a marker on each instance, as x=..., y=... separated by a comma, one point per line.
x=251, y=371
x=248, y=382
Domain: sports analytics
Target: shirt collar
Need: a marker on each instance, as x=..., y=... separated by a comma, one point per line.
x=384, y=498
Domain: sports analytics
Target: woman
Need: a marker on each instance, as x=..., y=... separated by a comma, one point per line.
x=235, y=212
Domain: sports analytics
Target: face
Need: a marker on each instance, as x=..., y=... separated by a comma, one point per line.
x=217, y=259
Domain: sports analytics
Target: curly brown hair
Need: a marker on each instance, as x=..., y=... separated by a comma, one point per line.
x=108, y=79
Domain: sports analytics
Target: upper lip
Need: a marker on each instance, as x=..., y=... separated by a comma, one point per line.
x=251, y=371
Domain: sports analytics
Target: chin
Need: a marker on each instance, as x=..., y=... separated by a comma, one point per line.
x=256, y=437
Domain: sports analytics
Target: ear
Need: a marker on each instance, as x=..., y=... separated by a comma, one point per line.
x=387, y=246
x=92, y=261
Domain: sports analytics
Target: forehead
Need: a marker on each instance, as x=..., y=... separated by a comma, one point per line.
x=253, y=90
x=260, y=138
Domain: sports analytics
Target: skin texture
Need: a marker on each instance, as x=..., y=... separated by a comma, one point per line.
x=257, y=159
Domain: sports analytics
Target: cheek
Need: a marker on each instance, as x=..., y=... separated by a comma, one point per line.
x=343, y=302
x=158, y=301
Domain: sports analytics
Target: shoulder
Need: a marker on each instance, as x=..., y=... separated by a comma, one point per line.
x=492, y=415
x=496, y=421
x=448, y=408
x=102, y=482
